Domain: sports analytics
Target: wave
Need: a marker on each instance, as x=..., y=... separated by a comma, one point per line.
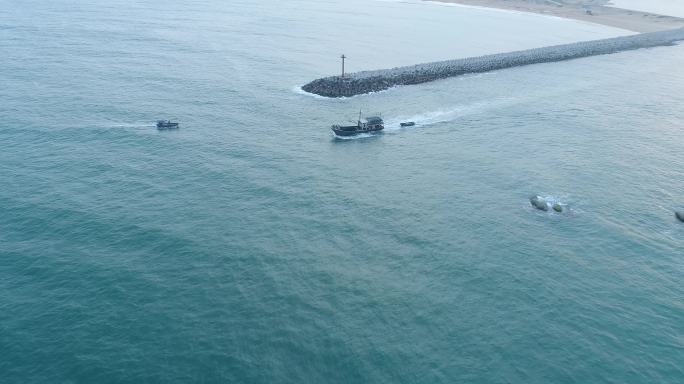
x=298, y=90
x=356, y=137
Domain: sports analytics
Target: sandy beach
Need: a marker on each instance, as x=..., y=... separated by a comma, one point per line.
x=593, y=11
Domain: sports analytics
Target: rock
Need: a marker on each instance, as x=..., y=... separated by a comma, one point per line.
x=680, y=215
x=557, y=207
x=539, y=203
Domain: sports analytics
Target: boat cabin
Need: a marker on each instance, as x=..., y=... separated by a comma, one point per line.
x=371, y=123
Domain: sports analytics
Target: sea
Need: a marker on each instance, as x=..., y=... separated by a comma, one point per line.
x=252, y=246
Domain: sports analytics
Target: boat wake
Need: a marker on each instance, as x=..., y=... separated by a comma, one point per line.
x=127, y=125
x=423, y=119
x=441, y=115
x=357, y=136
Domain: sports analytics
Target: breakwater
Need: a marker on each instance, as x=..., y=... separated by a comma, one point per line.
x=372, y=81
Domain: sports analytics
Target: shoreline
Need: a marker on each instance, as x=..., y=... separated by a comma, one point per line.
x=635, y=21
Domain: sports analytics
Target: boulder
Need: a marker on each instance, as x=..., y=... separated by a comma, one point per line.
x=539, y=203
x=557, y=207
x=680, y=215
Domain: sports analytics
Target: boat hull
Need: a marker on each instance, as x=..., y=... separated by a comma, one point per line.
x=165, y=127
x=352, y=132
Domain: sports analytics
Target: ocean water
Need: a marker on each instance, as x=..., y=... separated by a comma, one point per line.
x=251, y=246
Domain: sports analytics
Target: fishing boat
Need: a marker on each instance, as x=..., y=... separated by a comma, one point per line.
x=366, y=125
x=166, y=124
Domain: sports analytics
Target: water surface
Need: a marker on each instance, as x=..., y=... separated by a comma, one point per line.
x=251, y=246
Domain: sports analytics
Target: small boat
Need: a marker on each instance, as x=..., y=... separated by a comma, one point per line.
x=368, y=124
x=166, y=124
x=407, y=124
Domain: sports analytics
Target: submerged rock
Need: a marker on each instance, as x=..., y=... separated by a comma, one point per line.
x=557, y=207
x=680, y=215
x=539, y=203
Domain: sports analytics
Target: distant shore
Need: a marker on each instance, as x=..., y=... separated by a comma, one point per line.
x=636, y=21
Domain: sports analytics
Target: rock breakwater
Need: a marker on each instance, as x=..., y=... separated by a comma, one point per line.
x=372, y=81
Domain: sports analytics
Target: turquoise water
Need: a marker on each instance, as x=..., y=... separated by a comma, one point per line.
x=251, y=246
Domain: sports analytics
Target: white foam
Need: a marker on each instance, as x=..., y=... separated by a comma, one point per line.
x=445, y=115
x=298, y=90
x=425, y=119
x=355, y=137
x=564, y=200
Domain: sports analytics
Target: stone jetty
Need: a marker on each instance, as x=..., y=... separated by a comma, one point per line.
x=372, y=81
